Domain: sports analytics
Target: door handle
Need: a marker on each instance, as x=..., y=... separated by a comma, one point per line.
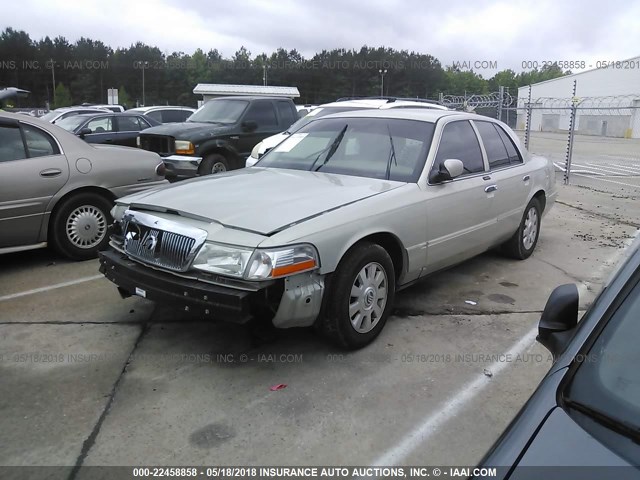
x=526, y=178
x=491, y=188
x=234, y=137
x=50, y=172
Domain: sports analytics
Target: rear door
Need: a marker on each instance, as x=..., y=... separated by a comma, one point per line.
x=507, y=172
x=287, y=114
x=32, y=171
x=460, y=222
x=128, y=127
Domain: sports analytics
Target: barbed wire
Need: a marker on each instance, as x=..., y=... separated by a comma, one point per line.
x=605, y=105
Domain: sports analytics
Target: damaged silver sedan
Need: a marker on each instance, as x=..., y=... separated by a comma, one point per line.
x=333, y=221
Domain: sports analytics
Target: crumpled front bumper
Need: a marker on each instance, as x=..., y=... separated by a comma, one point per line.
x=296, y=299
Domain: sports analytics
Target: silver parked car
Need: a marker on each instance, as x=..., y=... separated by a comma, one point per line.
x=57, y=189
x=331, y=222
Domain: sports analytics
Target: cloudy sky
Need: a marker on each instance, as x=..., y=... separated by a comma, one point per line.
x=506, y=32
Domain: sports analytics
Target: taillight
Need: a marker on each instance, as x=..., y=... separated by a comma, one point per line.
x=161, y=169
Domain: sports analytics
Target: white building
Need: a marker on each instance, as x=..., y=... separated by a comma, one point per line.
x=608, y=101
x=213, y=90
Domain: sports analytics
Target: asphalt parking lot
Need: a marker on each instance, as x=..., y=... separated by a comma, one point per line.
x=90, y=379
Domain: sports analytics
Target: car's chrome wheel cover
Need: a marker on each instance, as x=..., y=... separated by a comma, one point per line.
x=368, y=297
x=530, y=230
x=218, y=167
x=86, y=226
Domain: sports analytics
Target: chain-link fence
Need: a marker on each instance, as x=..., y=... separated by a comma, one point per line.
x=594, y=142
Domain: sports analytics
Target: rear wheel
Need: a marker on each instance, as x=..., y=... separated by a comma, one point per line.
x=212, y=164
x=79, y=226
x=359, y=297
x=524, y=241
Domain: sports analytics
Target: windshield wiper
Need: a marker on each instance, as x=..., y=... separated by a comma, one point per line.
x=625, y=428
x=392, y=154
x=331, y=150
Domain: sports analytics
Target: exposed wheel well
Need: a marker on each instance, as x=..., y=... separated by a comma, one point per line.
x=392, y=245
x=542, y=198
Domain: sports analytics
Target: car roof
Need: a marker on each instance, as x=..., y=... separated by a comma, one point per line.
x=382, y=103
x=69, y=109
x=421, y=114
x=160, y=107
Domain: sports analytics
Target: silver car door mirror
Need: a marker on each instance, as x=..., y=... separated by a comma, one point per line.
x=448, y=170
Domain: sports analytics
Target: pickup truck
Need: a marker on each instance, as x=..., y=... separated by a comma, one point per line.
x=219, y=136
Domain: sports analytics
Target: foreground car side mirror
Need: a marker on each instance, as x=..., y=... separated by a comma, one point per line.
x=559, y=318
x=249, y=125
x=448, y=170
x=85, y=131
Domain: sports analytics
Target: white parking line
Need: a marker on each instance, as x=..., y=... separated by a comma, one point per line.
x=432, y=423
x=50, y=287
x=451, y=407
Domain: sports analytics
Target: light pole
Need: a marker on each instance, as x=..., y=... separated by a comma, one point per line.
x=382, y=74
x=264, y=74
x=144, y=65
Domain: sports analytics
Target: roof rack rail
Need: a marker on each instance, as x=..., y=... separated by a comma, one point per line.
x=389, y=99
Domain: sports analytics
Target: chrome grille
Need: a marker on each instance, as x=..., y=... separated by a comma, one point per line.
x=159, y=246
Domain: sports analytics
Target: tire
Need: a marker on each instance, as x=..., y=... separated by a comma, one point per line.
x=524, y=241
x=79, y=224
x=212, y=164
x=351, y=320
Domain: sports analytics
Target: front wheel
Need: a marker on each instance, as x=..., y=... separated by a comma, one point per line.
x=212, y=164
x=360, y=297
x=524, y=241
x=79, y=226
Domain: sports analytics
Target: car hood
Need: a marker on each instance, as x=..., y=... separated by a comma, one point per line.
x=186, y=130
x=261, y=200
x=561, y=442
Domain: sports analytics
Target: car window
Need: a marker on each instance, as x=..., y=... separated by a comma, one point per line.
x=225, y=111
x=156, y=115
x=514, y=156
x=364, y=147
x=173, y=116
x=459, y=141
x=39, y=143
x=11, y=145
x=129, y=124
x=100, y=125
x=493, y=145
x=263, y=114
x=286, y=114
x=606, y=381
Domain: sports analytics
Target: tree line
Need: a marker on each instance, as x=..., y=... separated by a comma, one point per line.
x=83, y=70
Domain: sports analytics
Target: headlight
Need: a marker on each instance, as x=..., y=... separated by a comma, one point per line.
x=185, y=147
x=281, y=262
x=258, y=264
x=255, y=153
x=225, y=260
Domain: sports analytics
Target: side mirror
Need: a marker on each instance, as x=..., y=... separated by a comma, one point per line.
x=448, y=170
x=249, y=125
x=559, y=318
x=85, y=131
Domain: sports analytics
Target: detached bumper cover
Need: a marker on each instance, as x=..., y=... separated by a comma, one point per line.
x=201, y=298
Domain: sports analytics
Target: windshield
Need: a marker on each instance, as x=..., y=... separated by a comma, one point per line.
x=317, y=113
x=219, y=111
x=366, y=147
x=607, y=383
x=72, y=122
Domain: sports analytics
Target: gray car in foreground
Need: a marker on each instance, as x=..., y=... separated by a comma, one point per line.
x=331, y=222
x=57, y=189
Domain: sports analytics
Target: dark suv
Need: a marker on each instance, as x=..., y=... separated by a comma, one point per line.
x=219, y=136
